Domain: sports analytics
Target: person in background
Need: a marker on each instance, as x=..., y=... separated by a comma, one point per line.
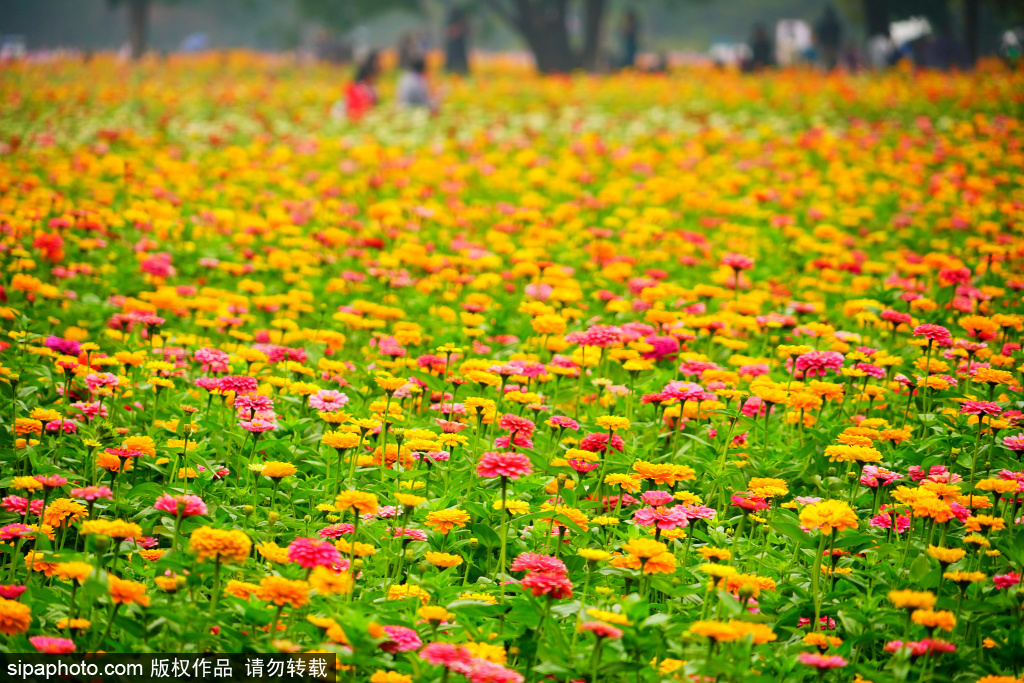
x=456, y=35
x=761, y=50
x=629, y=34
x=413, y=89
x=408, y=49
x=829, y=33
x=361, y=93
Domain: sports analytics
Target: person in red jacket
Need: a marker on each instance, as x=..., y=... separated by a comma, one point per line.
x=361, y=95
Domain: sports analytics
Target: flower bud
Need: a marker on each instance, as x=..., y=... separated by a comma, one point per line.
x=247, y=510
x=474, y=543
x=100, y=542
x=273, y=516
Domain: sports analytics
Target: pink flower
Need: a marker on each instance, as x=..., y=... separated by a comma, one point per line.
x=874, y=476
x=400, y=639
x=821, y=661
x=508, y=465
x=449, y=427
x=92, y=493
x=686, y=391
x=754, y=407
x=598, y=443
x=657, y=498
x=18, y=505
x=601, y=629
x=309, y=553
x=90, y=410
x=599, y=335
x=52, y=645
x=448, y=655
x=980, y=408
x=51, y=481
x=885, y=522
x=1006, y=580
x=563, y=422
x=97, y=381
x=12, y=592
x=553, y=584
x=240, y=384
x=737, y=262
x=521, y=441
x=582, y=466
x=181, y=505
x=748, y=501
x=1014, y=443
x=68, y=426
x=819, y=363
x=513, y=423
x=336, y=530
x=535, y=562
x=937, y=334
x=697, y=511
x=411, y=534
x=937, y=473
x=212, y=360
x=249, y=405
x=15, y=530
x=258, y=425
x=484, y=671
x=328, y=400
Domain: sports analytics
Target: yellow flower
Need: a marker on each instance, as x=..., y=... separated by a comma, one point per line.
x=612, y=422
x=341, y=440
x=593, y=554
x=403, y=591
x=381, y=676
x=278, y=470
x=828, y=515
x=409, y=500
x=272, y=552
x=911, y=599
x=941, y=619
x=364, y=503
x=444, y=521
x=609, y=617
x=435, y=613
x=946, y=555
x=73, y=571
x=442, y=559
x=389, y=384
x=326, y=581
x=220, y=545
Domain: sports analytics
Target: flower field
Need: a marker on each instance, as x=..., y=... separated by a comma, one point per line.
x=635, y=378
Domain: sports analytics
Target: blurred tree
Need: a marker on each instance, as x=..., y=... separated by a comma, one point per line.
x=344, y=15
x=542, y=24
x=138, y=24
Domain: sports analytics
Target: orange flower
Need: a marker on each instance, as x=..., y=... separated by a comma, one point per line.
x=127, y=592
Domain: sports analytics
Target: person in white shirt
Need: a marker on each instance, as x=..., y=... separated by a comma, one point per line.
x=413, y=89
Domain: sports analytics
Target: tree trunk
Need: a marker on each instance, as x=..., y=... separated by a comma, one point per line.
x=593, y=20
x=542, y=25
x=138, y=25
x=971, y=13
x=876, y=16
